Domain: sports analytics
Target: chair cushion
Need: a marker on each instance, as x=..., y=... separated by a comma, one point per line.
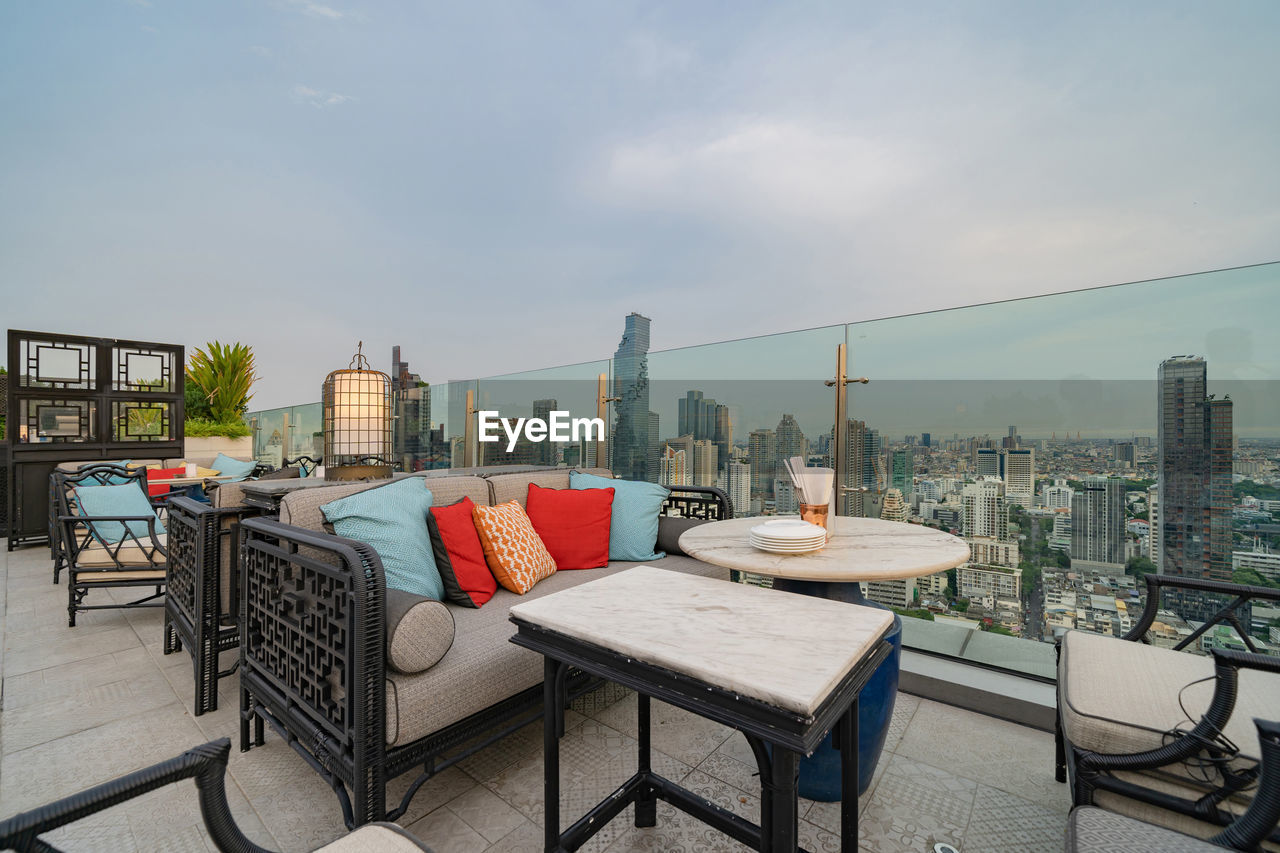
x=1120, y=697
x=484, y=666
x=1095, y=830
x=573, y=524
x=515, y=487
x=154, y=474
x=512, y=549
x=633, y=527
x=126, y=499
x=237, y=469
x=419, y=631
x=393, y=520
x=670, y=527
x=156, y=575
x=459, y=555
x=375, y=838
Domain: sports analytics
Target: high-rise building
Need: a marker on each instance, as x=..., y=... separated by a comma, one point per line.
x=545, y=452
x=411, y=424
x=986, y=511
x=630, y=439
x=986, y=462
x=791, y=442
x=723, y=435
x=737, y=486
x=673, y=468
x=706, y=463
x=902, y=470
x=1097, y=526
x=995, y=582
x=1018, y=467
x=1194, y=436
x=653, y=447
x=1124, y=454
x=762, y=455
x=893, y=508
x=924, y=439
x=1153, y=520
x=785, y=501
x=863, y=468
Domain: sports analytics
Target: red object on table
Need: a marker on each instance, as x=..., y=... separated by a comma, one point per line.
x=162, y=474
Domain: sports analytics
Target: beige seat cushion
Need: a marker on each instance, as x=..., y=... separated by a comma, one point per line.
x=1119, y=697
x=484, y=667
x=515, y=487
x=97, y=555
x=1094, y=830
x=157, y=575
x=375, y=838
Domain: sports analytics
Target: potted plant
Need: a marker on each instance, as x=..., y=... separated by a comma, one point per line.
x=219, y=379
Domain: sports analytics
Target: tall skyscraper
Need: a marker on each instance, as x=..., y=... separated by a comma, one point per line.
x=791, y=441
x=986, y=462
x=1097, y=526
x=1018, y=466
x=737, y=485
x=1194, y=438
x=545, y=452
x=411, y=426
x=706, y=463
x=673, y=468
x=653, y=449
x=630, y=438
x=925, y=439
x=1154, y=537
x=762, y=455
x=902, y=471
x=1124, y=454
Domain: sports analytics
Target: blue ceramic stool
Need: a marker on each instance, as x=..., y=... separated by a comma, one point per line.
x=820, y=772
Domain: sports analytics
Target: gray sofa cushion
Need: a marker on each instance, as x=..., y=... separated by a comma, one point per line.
x=484, y=667
x=302, y=508
x=419, y=631
x=515, y=487
x=669, y=529
x=1094, y=830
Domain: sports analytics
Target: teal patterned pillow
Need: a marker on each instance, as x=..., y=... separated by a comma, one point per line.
x=236, y=469
x=393, y=519
x=633, y=529
x=127, y=499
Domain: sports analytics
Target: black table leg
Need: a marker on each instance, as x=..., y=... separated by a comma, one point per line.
x=786, y=817
x=550, y=755
x=848, y=738
x=647, y=803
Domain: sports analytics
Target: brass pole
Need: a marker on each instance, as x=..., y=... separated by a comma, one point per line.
x=842, y=430
x=602, y=412
x=470, y=440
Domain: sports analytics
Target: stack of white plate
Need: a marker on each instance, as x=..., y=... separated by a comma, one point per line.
x=787, y=536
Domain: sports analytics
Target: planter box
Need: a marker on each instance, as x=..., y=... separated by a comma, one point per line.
x=202, y=450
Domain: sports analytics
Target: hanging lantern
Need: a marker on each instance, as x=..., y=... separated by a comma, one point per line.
x=357, y=422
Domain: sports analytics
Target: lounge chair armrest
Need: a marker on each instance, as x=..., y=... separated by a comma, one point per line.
x=207, y=764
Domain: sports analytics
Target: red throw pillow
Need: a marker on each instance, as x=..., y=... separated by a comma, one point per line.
x=573, y=524
x=467, y=579
x=163, y=474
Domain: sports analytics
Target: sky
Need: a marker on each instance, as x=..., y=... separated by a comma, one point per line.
x=493, y=186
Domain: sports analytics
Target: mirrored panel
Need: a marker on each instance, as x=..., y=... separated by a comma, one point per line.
x=61, y=365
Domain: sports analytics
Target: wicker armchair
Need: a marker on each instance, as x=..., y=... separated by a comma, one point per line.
x=200, y=609
x=137, y=558
x=94, y=474
x=1160, y=735
x=1094, y=830
x=207, y=764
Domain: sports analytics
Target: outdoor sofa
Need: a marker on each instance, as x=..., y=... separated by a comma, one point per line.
x=369, y=683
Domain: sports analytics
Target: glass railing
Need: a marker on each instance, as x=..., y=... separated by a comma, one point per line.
x=1031, y=428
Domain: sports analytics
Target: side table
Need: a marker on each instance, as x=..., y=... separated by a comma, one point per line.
x=726, y=652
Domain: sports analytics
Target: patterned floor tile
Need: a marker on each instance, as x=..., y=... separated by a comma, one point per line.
x=1013, y=758
x=914, y=806
x=527, y=836
x=1003, y=823
x=677, y=733
x=443, y=830
x=34, y=724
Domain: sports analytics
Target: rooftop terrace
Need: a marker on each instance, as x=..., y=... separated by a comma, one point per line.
x=83, y=705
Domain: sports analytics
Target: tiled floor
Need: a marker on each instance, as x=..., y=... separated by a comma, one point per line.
x=83, y=705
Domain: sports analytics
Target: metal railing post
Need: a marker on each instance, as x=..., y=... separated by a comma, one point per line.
x=470, y=440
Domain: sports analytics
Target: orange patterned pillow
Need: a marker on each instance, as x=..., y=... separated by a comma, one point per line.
x=512, y=548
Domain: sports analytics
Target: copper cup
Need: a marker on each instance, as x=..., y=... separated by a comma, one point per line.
x=816, y=514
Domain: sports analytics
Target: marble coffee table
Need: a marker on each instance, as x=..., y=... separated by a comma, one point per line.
x=724, y=651
x=859, y=550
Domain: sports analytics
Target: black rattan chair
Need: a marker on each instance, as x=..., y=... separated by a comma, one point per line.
x=97, y=474
x=94, y=561
x=1094, y=830
x=1158, y=734
x=207, y=764
x=201, y=605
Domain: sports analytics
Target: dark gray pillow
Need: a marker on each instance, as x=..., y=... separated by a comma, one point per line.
x=282, y=474
x=669, y=529
x=419, y=631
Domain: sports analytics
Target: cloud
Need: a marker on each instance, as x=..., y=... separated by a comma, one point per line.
x=149, y=29
x=762, y=169
x=316, y=10
x=650, y=57
x=317, y=98
x=259, y=50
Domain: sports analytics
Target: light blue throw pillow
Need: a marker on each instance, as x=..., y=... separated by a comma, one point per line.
x=633, y=528
x=393, y=519
x=233, y=468
x=116, y=501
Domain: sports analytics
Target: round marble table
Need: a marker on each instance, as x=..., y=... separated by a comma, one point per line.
x=859, y=550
